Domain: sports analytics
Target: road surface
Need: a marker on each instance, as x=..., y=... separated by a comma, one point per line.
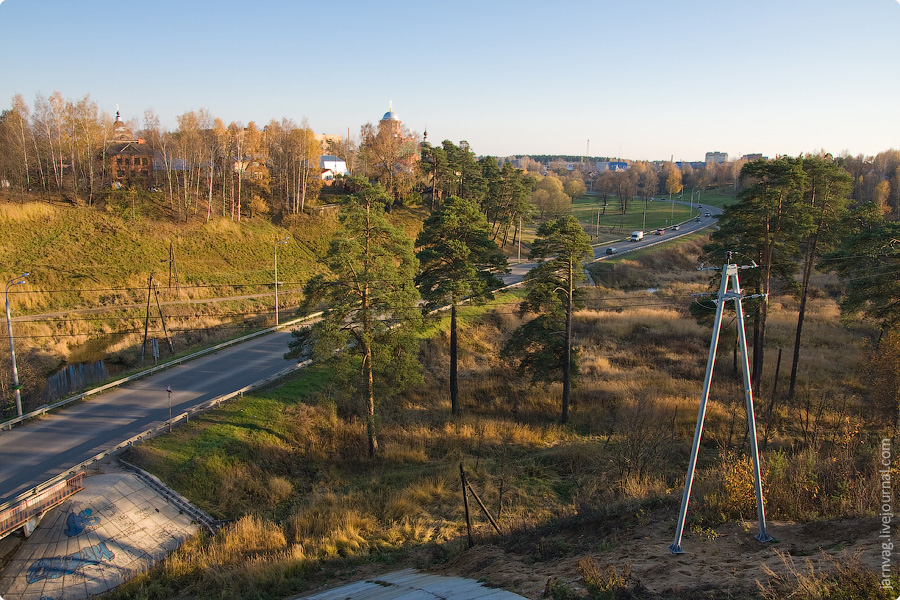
x=51, y=444
x=517, y=271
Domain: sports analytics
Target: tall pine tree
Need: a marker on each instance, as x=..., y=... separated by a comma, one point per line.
x=543, y=346
x=370, y=301
x=459, y=260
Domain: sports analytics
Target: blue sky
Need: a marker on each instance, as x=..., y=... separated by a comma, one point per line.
x=641, y=79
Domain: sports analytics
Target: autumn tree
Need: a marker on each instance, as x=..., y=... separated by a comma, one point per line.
x=550, y=198
x=294, y=154
x=543, y=345
x=626, y=186
x=15, y=150
x=370, y=313
x=161, y=143
x=458, y=260
x=673, y=180
x=574, y=188
x=389, y=156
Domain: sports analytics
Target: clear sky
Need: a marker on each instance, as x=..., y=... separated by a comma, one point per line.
x=640, y=79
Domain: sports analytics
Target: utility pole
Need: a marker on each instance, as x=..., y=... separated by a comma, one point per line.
x=12, y=348
x=173, y=267
x=163, y=320
x=147, y=319
x=729, y=277
x=519, y=257
x=278, y=243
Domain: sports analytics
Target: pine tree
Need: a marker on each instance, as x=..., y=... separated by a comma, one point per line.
x=561, y=247
x=459, y=260
x=370, y=305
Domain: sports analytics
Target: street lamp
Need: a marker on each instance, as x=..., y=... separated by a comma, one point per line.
x=278, y=243
x=12, y=349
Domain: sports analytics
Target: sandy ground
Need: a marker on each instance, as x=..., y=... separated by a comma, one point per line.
x=727, y=564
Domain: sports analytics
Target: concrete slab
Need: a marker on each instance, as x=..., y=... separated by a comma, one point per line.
x=410, y=584
x=95, y=540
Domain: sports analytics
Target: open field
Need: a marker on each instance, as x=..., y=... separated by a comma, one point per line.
x=585, y=509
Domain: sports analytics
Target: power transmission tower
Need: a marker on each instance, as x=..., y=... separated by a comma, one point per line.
x=729, y=278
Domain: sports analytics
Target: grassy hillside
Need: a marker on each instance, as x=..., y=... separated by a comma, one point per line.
x=90, y=268
x=585, y=510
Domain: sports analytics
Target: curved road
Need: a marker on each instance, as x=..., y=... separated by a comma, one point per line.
x=517, y=271
x=52, y=444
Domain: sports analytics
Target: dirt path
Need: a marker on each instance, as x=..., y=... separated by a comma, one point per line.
x=727, y=562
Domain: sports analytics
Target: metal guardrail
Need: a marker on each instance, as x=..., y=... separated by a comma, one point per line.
x=151, y=433
x=38, y=502
x=113, y=384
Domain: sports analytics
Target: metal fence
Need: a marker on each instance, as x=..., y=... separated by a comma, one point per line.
x=36, y=504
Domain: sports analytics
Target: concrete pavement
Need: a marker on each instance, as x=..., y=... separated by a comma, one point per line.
x=409, y=584
x=117, y=526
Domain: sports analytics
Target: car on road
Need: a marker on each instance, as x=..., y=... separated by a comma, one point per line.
x=660, y=231
x=675, y=227
x=612, y=250
x=707, y=215
x=697, y=219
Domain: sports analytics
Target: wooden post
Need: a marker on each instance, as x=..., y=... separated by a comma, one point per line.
x=163, y=319
x=465, y=485
x=484, y=508
x=147, y=319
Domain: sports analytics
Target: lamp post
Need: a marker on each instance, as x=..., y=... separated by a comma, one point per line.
x=12, y=348
x=278, y=243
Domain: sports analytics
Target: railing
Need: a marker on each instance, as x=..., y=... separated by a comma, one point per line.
x=37, y=503
x=49, y=407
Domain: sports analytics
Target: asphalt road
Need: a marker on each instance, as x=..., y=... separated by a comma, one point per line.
x=623, y=246
x=47, y=446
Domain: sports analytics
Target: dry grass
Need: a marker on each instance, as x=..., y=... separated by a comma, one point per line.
x=634, y=412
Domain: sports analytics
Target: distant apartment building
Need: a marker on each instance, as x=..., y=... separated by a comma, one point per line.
x=716, y=157
x=752, y=157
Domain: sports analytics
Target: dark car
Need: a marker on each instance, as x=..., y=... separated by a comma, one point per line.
x=612, y=250
x=660, y=231
x=697, y=219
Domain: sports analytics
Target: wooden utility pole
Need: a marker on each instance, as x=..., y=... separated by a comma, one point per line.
x=173, y=267
x=146, y=320
x=163, y=319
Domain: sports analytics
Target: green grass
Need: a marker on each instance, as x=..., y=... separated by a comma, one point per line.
x=719, y=197
x=613, y=224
